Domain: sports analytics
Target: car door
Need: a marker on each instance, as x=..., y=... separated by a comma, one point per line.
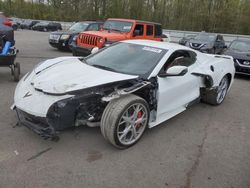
x=150, y=31
x=139, y=31
x=176, y=92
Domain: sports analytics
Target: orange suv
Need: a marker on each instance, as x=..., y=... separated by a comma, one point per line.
x=115, y=30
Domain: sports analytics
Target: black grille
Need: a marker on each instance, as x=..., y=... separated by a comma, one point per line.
x=25, y=117
x=243, y=62
x=195, y=45
x=88, y=39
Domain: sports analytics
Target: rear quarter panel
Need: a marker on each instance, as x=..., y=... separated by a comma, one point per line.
x=216, y=66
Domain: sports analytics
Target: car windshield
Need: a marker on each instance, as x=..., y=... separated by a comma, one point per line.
x=79, y=27
x=42, y=24
x=121, y=26
x=205, y=37
x=243, y=46
x=27, y=21
x=127, y=58
x=190, y=36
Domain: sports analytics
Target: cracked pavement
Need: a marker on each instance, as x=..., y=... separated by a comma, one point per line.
x=204, y=147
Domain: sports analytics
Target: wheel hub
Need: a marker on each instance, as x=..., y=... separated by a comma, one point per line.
x=132, y=124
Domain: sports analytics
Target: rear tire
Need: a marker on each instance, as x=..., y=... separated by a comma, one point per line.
x=217, y=96
x=124, y=121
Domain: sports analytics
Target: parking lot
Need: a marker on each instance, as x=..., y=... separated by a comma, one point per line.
x=203, y=147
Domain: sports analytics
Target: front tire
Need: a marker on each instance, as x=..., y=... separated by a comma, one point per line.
x=16, y=72
x=124, y=121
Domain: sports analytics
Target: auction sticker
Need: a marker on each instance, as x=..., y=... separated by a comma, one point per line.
x=156, y=50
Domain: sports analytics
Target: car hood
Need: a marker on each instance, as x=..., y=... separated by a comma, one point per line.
x=238, y=54
x=64, y=32
x=110, y=35
x=66, y=74
x=199, y=41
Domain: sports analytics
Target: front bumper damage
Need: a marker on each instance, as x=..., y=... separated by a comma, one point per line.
x=39, y=125
x=81, y=107
x=63, y=114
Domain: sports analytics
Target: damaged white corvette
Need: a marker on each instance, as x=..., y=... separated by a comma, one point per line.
x=124, y=89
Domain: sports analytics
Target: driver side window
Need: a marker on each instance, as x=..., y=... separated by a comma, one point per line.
x=180, y=58
x=139, y=29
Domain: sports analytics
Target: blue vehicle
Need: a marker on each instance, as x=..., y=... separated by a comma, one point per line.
x=7, y=58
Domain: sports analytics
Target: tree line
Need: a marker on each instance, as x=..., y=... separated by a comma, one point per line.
x=225, y=16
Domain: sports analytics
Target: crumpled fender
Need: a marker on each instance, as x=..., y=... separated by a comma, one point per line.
x=214, y=70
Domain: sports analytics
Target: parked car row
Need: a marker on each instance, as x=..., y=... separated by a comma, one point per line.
x=239, y=49
x=36, y=25
x=83, y=37
x=47, y=26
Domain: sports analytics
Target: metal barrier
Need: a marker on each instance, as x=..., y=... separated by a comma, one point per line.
x=176, y=35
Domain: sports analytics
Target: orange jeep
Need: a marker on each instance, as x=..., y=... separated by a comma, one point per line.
x=115, y=30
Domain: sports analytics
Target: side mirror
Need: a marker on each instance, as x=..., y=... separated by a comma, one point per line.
x=136, y=33
x=175, y=71
x=225, y=46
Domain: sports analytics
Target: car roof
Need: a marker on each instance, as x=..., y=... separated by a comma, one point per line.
x=158, y=44
x=130, y=20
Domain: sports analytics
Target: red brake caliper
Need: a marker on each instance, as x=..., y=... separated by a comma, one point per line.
x=139, y=115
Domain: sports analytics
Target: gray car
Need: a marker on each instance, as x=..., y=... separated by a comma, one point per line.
x=207, y=43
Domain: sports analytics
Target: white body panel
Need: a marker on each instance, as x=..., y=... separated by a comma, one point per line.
x=32, y=101
x=175, y=93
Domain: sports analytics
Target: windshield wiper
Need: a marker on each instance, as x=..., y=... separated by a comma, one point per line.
x=117, y=30
x=111, y=29
x=104, y=68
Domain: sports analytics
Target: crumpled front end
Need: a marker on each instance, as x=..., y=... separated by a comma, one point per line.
x=32, y=107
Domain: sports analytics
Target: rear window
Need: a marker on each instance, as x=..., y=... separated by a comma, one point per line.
x=158, y=30
x=150, y=30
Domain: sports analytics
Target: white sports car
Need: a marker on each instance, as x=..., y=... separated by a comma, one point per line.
x=124, y=89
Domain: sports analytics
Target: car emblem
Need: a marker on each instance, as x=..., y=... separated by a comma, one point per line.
x=246, y=63
x=28, y=94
